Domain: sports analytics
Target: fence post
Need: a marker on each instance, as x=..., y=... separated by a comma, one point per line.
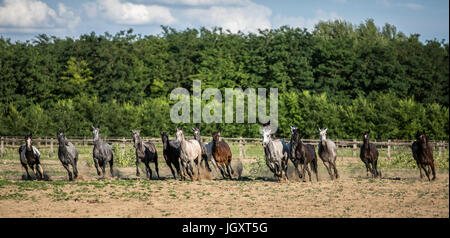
x=439, y=148
x=240, y=147
x=354, y=148
x=51, y=147
x=123, y=146
x=342, y=149
x=245, y=154
x=2, y=148
x=389, y=150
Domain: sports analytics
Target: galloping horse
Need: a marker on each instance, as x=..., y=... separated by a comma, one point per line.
x=29, y=157
x=190, y=150
x=145, y=152
x=423, y=155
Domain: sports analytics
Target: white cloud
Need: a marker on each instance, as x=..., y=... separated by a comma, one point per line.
x=206, y=2
x=246, y=17
x=129, y=13
x=31, y=15
x=414, y=6
x=302, y=22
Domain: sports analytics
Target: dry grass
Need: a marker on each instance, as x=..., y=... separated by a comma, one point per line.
x=399, y=194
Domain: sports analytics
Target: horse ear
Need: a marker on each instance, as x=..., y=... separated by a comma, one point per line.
x=326, y=129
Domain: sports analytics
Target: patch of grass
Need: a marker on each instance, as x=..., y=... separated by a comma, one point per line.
x=14, y=196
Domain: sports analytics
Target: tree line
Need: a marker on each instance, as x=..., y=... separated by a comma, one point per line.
x=349, y=78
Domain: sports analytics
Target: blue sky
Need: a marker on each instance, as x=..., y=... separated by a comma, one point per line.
x=24, y=19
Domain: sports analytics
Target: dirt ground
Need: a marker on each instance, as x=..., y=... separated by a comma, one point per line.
x=400, y=193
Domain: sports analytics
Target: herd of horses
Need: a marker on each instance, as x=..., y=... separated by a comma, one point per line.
x=182, y=156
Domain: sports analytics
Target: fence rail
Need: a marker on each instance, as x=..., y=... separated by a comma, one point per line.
x=51, y=143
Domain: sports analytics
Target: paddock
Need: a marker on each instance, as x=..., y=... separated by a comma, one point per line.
x=400, y=193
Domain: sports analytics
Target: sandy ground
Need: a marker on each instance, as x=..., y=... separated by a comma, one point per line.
x=399, y=194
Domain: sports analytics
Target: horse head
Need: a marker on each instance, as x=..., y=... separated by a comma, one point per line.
x=60, y=135
x=95, y=132
x=323, y=135
x=266, y=131
x=28, y=140
x=196, y=133
x=136, y=137
x=216, y=137
x=180, y=134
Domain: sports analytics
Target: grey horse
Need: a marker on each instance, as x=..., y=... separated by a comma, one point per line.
x=145, y=152
x=277, y=154
x=101, y=153
x=67, y=154
x=328, y=153
x=206, y=150
x=190, y=151
x=30, y=157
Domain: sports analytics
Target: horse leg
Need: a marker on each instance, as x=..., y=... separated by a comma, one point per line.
x=309, y=172
x=220, y=165
x=199, y=161
x=367, y=167
x=433, y=171
x=137, y=167
x=96, y=166
x=426, y=172
x=374, y=166
x=285, y=168
x=191, y=171
x=228, y=166
x=305, y=166
x=171, y=169
x=74, y=168
x=148, y=170
x=34, y=171
x=328, y=168
x=66, y=166
x=156, y=167
x=111, y=169
x=296, y=169
x=335, y=170
x=207, y=164
x=26, y=170
x=231, y=168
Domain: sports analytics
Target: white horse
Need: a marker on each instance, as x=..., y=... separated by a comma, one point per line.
x=190, y=150
x=277, y=154
x=328, y=153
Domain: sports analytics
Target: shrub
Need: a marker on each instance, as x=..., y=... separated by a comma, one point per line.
x=123, y=157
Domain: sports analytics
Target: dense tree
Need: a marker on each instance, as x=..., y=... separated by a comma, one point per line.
x=349, y=78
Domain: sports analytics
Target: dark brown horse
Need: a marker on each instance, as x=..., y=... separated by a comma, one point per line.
x=30, y=157
x=369, y=155
x=171, y=152
x=222, y=155
x=303, y=154
x=423, y=155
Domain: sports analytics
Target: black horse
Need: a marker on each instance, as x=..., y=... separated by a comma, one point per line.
x=369, y=155
x=423, y=155
x=171, y=152
x=145, y=152
x=303, y=154
x=29, y=157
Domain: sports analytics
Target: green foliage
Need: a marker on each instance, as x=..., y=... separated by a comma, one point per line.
x=347, y=78
x=123, y=157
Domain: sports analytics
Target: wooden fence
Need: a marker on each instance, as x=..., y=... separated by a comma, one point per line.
x=10, y=144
